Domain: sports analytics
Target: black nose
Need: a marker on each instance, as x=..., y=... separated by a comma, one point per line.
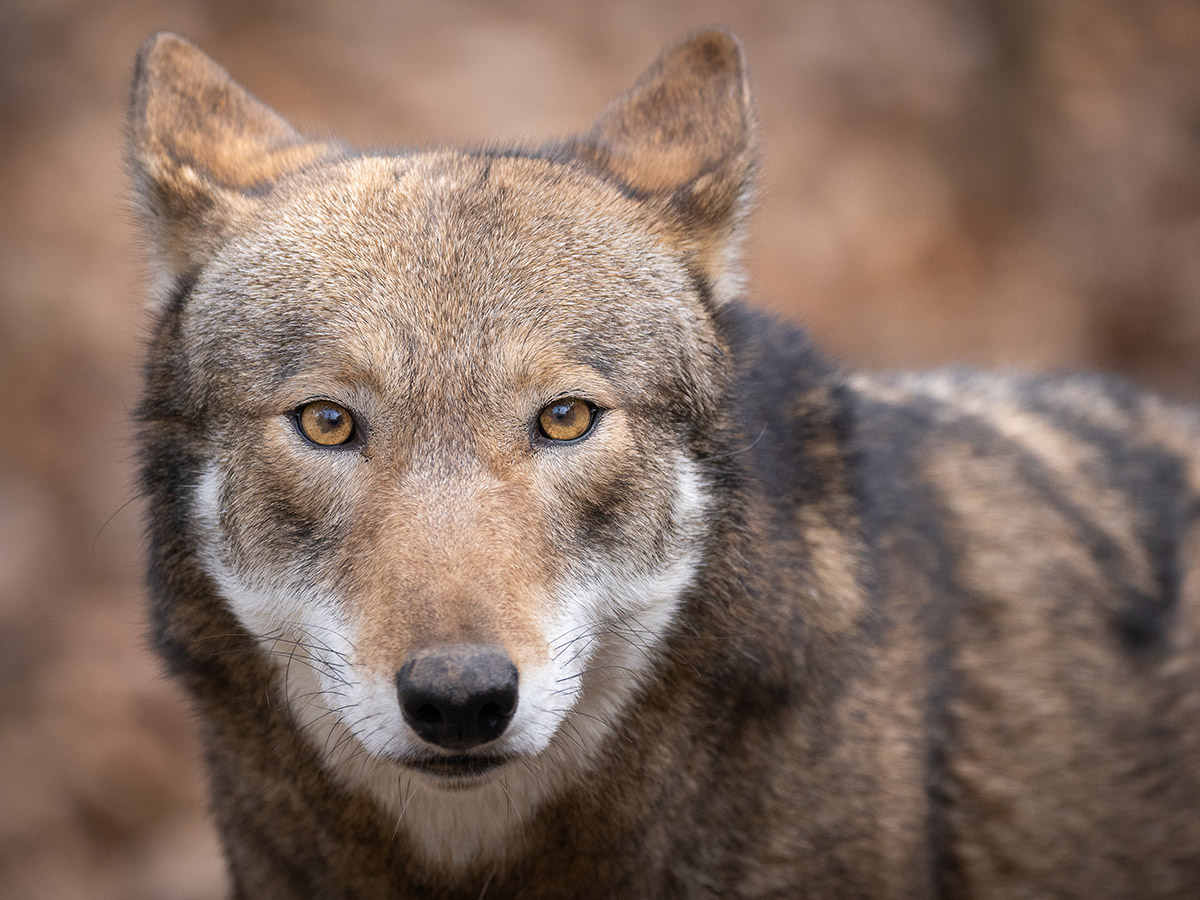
x=459, y=696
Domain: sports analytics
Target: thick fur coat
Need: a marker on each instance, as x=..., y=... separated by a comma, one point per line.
x=489, y=429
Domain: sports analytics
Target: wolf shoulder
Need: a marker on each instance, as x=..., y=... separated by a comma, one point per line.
x=1027, y=548
x=1081, y=483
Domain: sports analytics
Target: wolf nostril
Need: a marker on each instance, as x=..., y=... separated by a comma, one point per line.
x=428, y=716
x=459, y=696
x=494, y=718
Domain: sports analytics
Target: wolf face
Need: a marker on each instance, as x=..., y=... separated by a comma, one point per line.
x=447, y=416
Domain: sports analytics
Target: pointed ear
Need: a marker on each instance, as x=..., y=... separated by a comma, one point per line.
x=202, y=151
x=684, y=137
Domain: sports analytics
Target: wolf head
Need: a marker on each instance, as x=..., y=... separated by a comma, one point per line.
x=434, y=426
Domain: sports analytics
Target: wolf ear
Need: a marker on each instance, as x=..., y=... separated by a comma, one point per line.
x=684, y=137
x=202, y=151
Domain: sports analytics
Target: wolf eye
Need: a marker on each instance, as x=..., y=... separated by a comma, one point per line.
x=566, y=420
x=325, y=422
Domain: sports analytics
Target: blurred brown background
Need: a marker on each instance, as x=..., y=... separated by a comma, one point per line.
x=1000, y=182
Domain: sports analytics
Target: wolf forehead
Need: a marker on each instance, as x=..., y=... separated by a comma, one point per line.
x=434, y=257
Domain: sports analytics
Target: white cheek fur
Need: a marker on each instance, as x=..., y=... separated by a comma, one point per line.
x=602, y=640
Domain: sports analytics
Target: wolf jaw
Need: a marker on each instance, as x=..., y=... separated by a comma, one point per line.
x=605, y=640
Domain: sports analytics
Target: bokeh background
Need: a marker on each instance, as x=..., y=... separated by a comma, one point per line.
x=996, y=182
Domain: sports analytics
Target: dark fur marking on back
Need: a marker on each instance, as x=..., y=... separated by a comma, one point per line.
x=1155, y=484
x=897, y=502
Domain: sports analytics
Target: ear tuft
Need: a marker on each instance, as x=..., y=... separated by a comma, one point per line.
x=201, y=148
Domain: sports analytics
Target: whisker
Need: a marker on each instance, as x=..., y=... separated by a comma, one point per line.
x=487, y=883
x=512, y=807
x=413, y=787
x=739, y=452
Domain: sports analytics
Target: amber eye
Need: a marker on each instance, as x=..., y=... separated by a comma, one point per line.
x=326, y=423
x=567, y=419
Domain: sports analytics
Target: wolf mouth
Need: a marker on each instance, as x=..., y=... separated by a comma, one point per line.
x=458, y=768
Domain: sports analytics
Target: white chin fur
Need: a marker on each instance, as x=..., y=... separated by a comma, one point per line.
x=603, y=641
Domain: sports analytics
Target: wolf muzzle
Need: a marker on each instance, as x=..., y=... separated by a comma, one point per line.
x=459, y=696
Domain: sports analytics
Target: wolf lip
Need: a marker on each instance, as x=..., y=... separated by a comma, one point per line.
x=456, y=767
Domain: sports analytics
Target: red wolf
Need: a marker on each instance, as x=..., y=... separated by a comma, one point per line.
x=503, y=552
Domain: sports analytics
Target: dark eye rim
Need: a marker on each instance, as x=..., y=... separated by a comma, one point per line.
x=357, y=426
x=543, y=439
